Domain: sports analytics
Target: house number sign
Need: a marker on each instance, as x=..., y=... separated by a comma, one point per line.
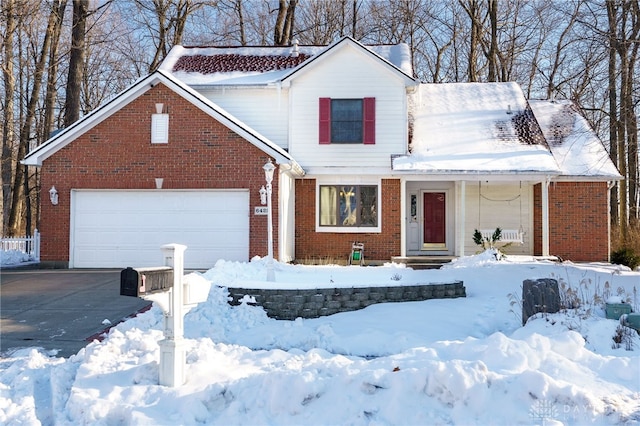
x=260, y=211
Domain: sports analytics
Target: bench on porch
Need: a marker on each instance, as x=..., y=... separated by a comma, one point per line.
x=507, y=235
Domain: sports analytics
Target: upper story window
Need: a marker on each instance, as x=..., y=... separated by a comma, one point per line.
x=347, y=121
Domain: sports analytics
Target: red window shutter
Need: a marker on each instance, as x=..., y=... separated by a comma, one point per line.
x=325, y=121
x=369, y=124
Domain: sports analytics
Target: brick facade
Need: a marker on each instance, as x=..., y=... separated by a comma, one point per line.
x=118, y=154
x=204, y=154
x=312, y=245
x=578, y=221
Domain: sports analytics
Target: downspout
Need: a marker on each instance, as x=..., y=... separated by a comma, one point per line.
x=545, y=216
x=403, y=214
x=610, y=186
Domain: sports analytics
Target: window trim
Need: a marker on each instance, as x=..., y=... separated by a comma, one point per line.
x=354, y=181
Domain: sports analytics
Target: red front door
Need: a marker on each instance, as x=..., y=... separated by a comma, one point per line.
x=434, y=208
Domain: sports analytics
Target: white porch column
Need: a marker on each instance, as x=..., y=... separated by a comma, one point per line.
x=461, y=217
x=545, y=217
x=403, y=215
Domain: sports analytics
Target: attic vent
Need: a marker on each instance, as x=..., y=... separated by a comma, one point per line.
x=295, y=50
x=159, y=128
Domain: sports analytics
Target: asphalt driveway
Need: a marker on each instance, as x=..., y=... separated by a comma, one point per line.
x=60, y=310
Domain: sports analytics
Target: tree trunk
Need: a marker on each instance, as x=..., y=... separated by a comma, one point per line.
x=76, y=62
x=493, y=50
x=8, y=133
x=21, y=182
x=632, y=122
x=623, y=49
x=243, y=37
x=283, y=31
x=473, y=10
x=612, y=14
x=59, y=7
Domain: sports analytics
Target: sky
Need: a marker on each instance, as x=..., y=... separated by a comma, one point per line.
x=465, y=361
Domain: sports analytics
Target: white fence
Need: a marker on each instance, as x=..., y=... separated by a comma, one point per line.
x=29, y=245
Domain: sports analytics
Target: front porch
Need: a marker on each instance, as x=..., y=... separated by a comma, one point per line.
x=441, y=217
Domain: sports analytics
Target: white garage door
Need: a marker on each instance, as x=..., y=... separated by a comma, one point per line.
x=116, y=229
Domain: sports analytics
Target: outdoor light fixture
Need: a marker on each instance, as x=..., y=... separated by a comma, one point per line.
x=268, y=176
x=263, y=196
x=268, y=172
x=53, y=196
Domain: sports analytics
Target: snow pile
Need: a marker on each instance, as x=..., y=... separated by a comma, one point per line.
x=14, y=257
x=455, y=361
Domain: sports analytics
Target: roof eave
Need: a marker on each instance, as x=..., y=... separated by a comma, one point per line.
x=59, y=141
x=66, y=136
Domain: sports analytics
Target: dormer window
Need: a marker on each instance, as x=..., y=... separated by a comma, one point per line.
x=347, y=121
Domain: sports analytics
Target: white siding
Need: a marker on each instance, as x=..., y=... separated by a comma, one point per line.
x=492, y=205
x=349, y=73
x=265, y=110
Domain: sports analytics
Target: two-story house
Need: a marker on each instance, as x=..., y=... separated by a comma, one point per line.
x=363, y=152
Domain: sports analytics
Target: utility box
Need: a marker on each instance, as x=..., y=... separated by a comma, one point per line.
x=616, y=310
x=140, y=281
x=539, y=295
x=631, y=321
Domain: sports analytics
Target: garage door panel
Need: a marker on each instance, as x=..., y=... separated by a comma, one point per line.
x=126, y=228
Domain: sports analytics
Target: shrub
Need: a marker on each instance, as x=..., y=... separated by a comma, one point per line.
x=487, y=243
x=625, y=256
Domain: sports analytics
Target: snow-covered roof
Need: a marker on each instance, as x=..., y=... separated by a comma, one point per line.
x=260, y=65
x=475, y=128
x=490, y=128
x=575, y=146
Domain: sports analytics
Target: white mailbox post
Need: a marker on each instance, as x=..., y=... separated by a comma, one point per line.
x=175, y=301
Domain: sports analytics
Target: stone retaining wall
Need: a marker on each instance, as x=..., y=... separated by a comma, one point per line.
x=314, y=303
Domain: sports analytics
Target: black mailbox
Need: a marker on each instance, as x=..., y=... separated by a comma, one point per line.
x=140, y=281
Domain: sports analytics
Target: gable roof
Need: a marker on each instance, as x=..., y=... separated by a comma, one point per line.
x=396, y=58
x=475, y=128
x=68, y=135
x=267, y=65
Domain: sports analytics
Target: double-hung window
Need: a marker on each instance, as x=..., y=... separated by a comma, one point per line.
x=347, y=121
x=348, y=206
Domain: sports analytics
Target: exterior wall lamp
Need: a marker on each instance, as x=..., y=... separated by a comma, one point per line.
x=263, y=195
x=268, y=176
x=53, y=196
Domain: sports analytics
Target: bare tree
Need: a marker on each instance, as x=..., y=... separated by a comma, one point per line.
x=20, y=192
x=283, y=29
x=8, y=134
x=474, y=12
x=76, y=62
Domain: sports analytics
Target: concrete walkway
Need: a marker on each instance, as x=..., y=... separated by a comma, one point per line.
x=60, y=310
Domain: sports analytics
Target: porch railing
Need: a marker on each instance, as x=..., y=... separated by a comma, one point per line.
x=28, y=244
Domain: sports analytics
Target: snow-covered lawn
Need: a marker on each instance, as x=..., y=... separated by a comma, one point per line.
x=456, y=361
